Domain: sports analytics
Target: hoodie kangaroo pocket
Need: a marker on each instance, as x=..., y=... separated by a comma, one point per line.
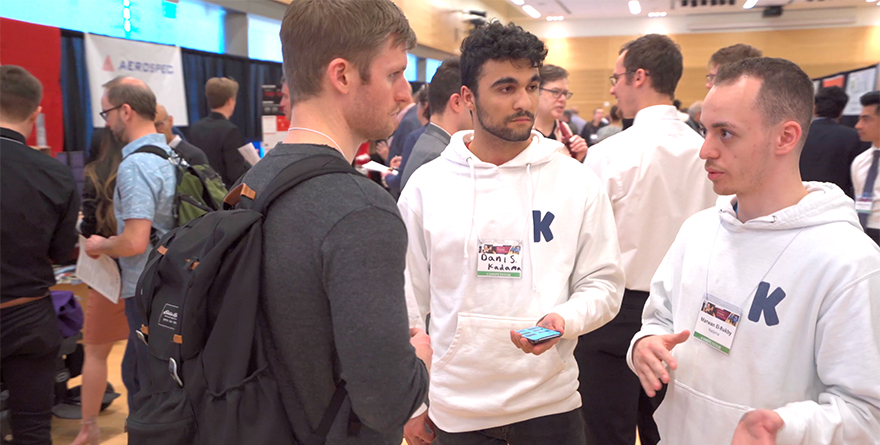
x=682, y=404
x=485, y=373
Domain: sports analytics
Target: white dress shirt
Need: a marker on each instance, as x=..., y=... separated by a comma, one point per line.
x=174, y=142
x=859, y=172
x=655, y=179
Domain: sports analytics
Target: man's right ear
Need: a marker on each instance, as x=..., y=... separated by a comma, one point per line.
x=341, y=75
x=455, y=103
x=468, y=98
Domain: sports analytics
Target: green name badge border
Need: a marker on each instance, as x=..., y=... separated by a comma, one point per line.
x=499, y=274
x=712, y=343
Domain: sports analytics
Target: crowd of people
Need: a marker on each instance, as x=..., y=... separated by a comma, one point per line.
x=709, y=275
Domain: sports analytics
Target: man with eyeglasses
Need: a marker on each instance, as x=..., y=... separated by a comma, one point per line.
x=655, y=179
x=142, y=202
x=553, y=94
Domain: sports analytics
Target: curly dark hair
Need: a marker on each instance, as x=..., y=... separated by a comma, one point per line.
x=498, y=42
x=830, y=102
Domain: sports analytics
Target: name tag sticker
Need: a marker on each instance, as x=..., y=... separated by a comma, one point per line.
x=717, y=323
x=864, y=204
x=500, y=259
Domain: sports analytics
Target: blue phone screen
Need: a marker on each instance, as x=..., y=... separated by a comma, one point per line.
x=537, y=334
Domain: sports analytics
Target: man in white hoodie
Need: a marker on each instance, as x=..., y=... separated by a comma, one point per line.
x=506, y=189
x=778, y=284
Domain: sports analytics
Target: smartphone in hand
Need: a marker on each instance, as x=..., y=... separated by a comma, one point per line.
x=538, y=334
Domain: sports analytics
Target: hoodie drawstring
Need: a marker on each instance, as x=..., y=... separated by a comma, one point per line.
x=529, y=208
x=473, y=206
x=530, y=193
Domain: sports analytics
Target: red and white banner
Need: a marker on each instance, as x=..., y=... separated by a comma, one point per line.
x=159, y=66
x=18, y=41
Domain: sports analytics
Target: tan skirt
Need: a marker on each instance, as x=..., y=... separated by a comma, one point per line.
x=105, y=322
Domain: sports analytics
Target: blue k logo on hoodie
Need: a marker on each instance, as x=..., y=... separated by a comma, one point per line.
x=542, y=225
x=766, y=304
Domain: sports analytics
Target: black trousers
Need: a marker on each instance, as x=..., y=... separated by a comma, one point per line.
x=614, y=403
x=557, y=429
x=30, y=342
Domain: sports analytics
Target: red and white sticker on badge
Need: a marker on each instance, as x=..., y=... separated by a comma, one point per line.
x=500, y=259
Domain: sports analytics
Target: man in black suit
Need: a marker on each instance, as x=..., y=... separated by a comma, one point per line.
x=413, y=119
x=216, y=136
x=190, y=153
x=39, y=204
x=830, y=147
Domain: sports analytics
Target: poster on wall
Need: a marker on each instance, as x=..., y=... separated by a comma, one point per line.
x=274, y=123
x=159, y=66
x=836, y=81
x=857, y=84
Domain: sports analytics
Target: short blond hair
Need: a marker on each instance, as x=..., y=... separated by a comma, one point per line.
x=219, y=90
x=314, y=32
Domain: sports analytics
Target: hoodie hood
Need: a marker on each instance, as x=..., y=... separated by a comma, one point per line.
x=825, y=203
x=540, y=151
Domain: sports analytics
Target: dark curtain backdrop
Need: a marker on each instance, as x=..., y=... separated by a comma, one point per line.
x=75, y=92
x=198, y=67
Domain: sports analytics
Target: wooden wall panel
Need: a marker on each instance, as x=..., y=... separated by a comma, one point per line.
x=434, y=26
x=440, y=24
x=819, y=52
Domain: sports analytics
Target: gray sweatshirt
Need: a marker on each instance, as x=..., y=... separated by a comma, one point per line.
x=334, y=255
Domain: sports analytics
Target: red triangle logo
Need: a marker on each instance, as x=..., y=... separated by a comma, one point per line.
x=108, y=65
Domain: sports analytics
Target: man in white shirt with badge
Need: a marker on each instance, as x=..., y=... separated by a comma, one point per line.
x=864, y=166
x=778, y=284
x=655, y=179
x=495, y=248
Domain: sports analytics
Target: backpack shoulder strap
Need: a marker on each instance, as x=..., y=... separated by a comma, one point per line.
x=152, y=149
x=294, y=174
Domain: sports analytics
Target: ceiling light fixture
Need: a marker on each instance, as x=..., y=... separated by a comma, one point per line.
x=531, y=11
x=749, y=4
x=635, y=7
x=518, y=2
x=657, y=14
x=555, y=18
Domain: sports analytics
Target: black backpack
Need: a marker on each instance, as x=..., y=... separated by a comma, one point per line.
x=210, y=380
